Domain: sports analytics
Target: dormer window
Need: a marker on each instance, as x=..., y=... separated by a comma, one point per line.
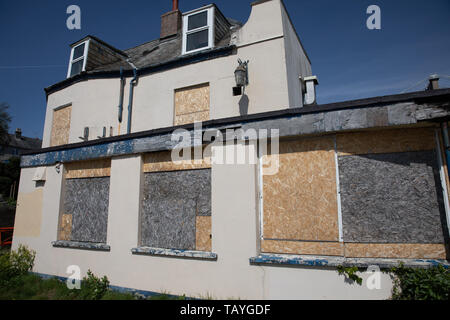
x=78, y=59
x=198, y=29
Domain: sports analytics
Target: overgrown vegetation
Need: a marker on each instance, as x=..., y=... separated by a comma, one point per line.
x=14, y=265
x=5, y=119
x=420, y=284
x=350, y=273
x=9, y=172
x=17, y=283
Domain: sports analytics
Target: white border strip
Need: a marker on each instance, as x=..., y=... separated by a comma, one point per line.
x=338, y=191
x=443, y=180
x=260, y=195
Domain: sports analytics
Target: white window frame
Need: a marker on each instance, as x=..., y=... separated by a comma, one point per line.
x=210, y=27
x=84, y=56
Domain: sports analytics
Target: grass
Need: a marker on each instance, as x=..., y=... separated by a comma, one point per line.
x=16, y=283
x=33, y=287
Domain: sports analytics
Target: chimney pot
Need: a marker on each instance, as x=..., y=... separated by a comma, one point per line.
x=18, y=133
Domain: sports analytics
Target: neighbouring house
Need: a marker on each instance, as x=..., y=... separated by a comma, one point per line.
x=302, y=188
x=10, y=150
x=16, y=144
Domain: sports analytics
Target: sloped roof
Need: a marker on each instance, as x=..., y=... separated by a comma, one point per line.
x=157, y=51
x=150, y=55
x=24, y=143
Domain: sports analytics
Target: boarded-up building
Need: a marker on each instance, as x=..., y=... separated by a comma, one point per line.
x=166, y=173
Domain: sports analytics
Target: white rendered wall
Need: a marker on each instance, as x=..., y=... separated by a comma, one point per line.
x=267, y=40
x=235, y=239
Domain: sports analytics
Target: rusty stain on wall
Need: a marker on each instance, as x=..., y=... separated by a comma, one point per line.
x=192, y=104
x=300, y=201
x=203, y=241
x=29, y=214
x=88, y=169
x=303, y=247
x=398, y=250
x=60, y=126
x=386, y=141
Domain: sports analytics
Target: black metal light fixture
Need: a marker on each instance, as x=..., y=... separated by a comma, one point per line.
x=241, y=77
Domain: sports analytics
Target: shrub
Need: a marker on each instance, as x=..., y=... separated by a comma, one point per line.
x=15, y=264
x=93, y=288
x=350, y=273
x=421, y=284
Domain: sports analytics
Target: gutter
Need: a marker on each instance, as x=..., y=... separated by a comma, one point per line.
x=177, y=62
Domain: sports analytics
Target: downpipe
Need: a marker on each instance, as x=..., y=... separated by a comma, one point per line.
x=130, y=99
x=122, y=87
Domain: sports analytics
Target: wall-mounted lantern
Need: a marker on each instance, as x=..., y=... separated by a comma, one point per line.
x=241, y=77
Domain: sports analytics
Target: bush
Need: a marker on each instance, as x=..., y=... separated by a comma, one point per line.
x=421, y=284
x=15, y=264
x=93, y=288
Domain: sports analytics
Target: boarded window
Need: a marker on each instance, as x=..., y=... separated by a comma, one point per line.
x=390, y=195
x=60, y=126
x=192, y=104
x=300, y=201
x=84, y=217
x=176, y=204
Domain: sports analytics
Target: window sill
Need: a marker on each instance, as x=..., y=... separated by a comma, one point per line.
x=81, y=245
x=329, y=261
x=174, y=253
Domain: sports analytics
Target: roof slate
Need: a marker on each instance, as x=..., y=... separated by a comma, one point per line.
x=157, y=52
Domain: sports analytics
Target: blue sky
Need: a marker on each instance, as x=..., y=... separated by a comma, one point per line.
x=351, y=61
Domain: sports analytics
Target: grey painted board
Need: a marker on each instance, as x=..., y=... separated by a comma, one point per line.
x=87, y=200
x=392, y=198
x=170, y=203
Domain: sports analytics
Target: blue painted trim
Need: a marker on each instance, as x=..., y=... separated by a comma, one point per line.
x=142, y=293
x=81, y=245
x=175, y=253
x=81, y=153
x=329, y=261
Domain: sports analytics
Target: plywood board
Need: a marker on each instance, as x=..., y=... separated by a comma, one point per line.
x=87, y=200
x=162, y=161
x=170, y=204
x=203, y=241
x=302, y=247
x=191, y=118
x=399, y=251
x=300, y=201
x=192, y=99
x=386, y=141
x=192, y=104
x=392, y=198
x=88, y=169
x=60, y=126
x=65, y=227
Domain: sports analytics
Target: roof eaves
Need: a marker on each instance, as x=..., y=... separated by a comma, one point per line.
x=345, y=105
x=157, y=67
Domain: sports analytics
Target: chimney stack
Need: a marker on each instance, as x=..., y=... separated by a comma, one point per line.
x=433, y=82
x=18, y=133
x=171, y=21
